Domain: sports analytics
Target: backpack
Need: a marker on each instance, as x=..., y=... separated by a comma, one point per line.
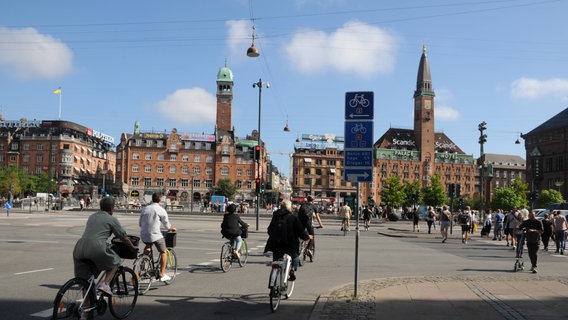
x=278, y=230
x=464, y=218
x=306, y=212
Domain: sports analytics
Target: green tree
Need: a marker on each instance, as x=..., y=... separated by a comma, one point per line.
x=507, y=198
x=521, y=190
x=434, y=194
x=548, y=197
x=226, y=188
x=393, y=193
x=410, y=191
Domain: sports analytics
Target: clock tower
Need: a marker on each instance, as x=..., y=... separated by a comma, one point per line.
x=424, y=117
x=224, y=98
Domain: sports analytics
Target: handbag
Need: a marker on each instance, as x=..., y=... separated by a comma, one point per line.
x=244, y=232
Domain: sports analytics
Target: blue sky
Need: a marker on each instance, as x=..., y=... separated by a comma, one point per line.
x=504, y=62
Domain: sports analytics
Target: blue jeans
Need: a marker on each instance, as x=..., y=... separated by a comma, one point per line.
x=295, y=259
x=239, y=241
x=560, y=239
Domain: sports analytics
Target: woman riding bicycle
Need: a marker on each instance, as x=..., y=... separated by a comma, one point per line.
x=231, y=227
x=93, y=245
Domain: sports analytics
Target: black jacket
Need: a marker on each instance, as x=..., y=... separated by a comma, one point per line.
x=231, y=225
x=295, y=229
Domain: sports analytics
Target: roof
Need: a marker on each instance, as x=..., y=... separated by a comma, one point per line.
x=225, y=74
x=558, y=121
x=505, y=160
x=395, y=138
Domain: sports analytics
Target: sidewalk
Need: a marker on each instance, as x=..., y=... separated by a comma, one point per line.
x=514, y=296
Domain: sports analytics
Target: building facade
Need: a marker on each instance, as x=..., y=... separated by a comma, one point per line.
x=420, y=153
x=80, y=159
x=188, y=166
x=546, y=148
x=501, y=170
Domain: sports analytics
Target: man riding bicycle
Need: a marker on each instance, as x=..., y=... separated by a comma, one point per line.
x=93, y=245
x=231, y=227
x=151, y=218
x=307, y=212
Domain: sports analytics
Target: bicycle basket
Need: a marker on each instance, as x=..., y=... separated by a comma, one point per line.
x=122, y=249
x=170, y=238
x=244, y=232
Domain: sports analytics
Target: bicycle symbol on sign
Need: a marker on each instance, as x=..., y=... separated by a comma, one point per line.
x=359, y=128
x=359, y=99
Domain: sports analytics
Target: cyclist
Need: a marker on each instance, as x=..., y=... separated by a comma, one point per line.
x=93, y=245
x=151, y=218
x=231, y=227
x=307, y=212
x=367, y=213
x=284, y=232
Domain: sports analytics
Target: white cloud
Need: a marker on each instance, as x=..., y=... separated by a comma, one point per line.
x=355, y=48
x=446, y=113
x=27, y=54
x=189, y=106
x=533, y=88
x=240, y=35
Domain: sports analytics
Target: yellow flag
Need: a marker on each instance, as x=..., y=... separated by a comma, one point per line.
x=57, y=91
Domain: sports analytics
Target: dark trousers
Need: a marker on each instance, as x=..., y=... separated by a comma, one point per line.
x=533, y=250
x=545, y=239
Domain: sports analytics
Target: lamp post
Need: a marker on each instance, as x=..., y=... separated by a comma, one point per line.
x=259, y=85
x=104, y=173
x=482, y=139
x=191, y=199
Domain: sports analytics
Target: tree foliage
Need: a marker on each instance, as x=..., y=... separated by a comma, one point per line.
x=507, y=198
x=393, y=194
x=410, y=190
x=226, y=188
x=548, y=197
x=434, y=194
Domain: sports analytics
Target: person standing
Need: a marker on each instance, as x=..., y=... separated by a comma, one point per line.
x=465, y=221
x=487, y=222
x=533, y=229
x=548, y=229
x=345, y=215
x=560, y=227
x=445, y=220
x=498, y=231
x=431, y=219
x=150, y=221
x=509, y=226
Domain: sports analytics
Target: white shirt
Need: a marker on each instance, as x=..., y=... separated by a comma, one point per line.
x=151, y=218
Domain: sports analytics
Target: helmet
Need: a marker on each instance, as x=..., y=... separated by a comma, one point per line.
x=310, y=199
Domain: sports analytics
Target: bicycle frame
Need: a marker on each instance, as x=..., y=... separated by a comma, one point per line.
x=283, y=266
x=93, y=283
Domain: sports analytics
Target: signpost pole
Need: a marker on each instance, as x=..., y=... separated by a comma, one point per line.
x=355, y=287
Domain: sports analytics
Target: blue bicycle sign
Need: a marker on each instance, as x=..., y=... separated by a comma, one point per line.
x=359, y=100
x=359, y=105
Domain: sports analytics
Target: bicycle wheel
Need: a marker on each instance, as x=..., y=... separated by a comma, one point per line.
x=226, y=258
x=243, y=254
x=275, y=290
x=145, y=272
x=289, y=289
x=124, y=286
x=171, y=265
x=68, y=300
x=302, y=252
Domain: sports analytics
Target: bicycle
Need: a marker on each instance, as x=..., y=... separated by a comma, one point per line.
x=78, y=298
x=147, y=268
x=278, y=282
x=227, y=257
x=308, y=250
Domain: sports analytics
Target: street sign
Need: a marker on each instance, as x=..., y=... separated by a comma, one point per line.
x=359, y=105
x=358, y=152
x=8, y=205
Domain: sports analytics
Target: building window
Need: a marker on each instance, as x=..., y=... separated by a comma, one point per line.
x=225, y=171
x=239, y=172
x=39, y=158
x=197, y=170
x=148, y=156
x=161, y=156
x=185, y=157
x=160, y=182
x=209, y=159
x=149, y=143
x=197, y=159
x=185, y=183
x=160, y=169
x=239, y=184
x=185, y=169
x=172, y=182
x=135, y=156
x=249, y=172
x=138, y=142
x=187, y=145
x=196, y=183
x=135, y=168
x=225, y=159
x=209, y=171
x=160, y=143
x=197, y=145
x=148, y=182
x=26, y=146
x=26, y=158
x=173, y=146
x=208, y=183
x=135, y=181
x=249, y=184
x=147, y=168
x=172, y=169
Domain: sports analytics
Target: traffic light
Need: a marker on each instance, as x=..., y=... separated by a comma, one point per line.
x=458, y=190
x=460, y=201
x=257, y=185
x=257, y=152
x=452, y=190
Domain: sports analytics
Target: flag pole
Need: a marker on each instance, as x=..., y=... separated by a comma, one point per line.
x=60, y=94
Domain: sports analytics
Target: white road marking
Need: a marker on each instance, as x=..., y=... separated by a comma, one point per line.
x=43, y=314
x=32, y=271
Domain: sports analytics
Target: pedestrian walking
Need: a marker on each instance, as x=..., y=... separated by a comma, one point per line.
x=445, y=220
x=533, y=229
x=499, y=224
x=560, y=227
x=415, y=219
x=431, y=219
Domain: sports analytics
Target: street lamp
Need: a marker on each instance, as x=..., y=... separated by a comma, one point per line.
x=482, y=139
x=192, y=197
x=259, y=85
x=104, y=173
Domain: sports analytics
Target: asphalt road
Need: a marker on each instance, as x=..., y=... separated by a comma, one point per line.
x=36, y=260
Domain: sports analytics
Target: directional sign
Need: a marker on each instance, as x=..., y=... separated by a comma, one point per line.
x=358, y=175
x=358, y=134
x=8, y=205
x=358, y=158
x=359, y=105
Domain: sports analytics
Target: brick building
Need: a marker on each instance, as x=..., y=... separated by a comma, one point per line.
x=186, y=164
x=79, y=158
x=501, y=170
